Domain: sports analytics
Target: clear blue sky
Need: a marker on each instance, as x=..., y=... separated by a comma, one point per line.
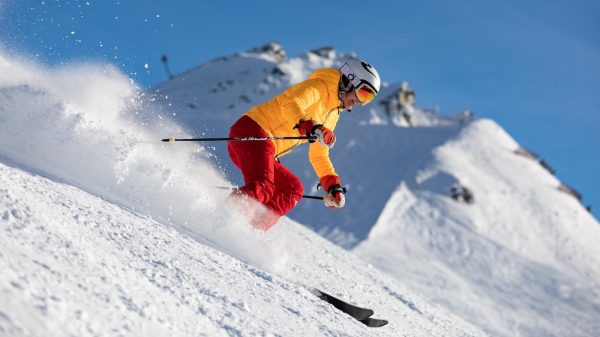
x=533, y=66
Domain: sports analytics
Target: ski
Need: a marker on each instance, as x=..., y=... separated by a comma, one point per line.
x=356, y=312
x=374, y=322
x=362, y=315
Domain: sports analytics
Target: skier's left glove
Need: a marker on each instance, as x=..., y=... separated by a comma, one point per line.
x=335, y=197
x=306, y=128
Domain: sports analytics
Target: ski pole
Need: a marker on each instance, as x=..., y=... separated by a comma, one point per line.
x=314, y=197
x=173, y=140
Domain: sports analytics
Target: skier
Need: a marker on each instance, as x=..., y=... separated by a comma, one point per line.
x=309, y=108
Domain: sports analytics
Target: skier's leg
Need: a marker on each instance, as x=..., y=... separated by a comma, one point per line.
x=254, y=158
x=288, y=192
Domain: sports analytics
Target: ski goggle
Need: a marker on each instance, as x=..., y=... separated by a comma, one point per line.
x=365, y=93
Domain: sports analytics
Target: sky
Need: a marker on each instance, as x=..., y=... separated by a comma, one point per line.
x=534, y=66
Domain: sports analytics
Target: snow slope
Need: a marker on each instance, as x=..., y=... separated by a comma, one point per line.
x=522, y=260
x=74, y=264
x=106, y=231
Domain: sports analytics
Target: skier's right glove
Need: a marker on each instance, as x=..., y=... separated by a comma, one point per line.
x=335, y=197
x=309, y=129
x=325, y=136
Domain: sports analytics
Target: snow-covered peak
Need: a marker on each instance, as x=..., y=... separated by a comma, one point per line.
x=232, y=84
x=488, y=233
x=273, y=51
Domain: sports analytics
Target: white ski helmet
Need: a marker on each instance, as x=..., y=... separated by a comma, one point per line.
x=360, y=75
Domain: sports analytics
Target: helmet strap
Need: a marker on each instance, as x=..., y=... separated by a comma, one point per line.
x=345, y=83
x=344, y=86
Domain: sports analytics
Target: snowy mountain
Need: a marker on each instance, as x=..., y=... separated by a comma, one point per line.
x=452, y=205
x=521, y=260
x=106, y=231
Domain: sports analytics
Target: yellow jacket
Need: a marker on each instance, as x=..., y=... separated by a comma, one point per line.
x=315, y=98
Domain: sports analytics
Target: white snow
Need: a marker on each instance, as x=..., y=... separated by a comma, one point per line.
x=106, y=231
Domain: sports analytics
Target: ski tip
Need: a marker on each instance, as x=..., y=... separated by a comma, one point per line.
x=374, y=322
x=362, y=314
x=170, y=140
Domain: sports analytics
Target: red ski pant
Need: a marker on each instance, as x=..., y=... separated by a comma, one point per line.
x=265, y=179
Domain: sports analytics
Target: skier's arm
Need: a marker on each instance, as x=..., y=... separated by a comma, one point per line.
x=318, y=156
x=330, y=181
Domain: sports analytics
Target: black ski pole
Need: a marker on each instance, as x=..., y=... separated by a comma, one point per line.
x=314, y=197
x=173, y=140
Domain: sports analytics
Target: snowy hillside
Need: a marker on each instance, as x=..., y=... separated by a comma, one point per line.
x=513, y=254
x=74, y=264
x=521, y=260
x=106, y=231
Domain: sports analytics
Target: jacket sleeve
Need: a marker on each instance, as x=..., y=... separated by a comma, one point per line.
x=299, y=98
x=318, y=156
